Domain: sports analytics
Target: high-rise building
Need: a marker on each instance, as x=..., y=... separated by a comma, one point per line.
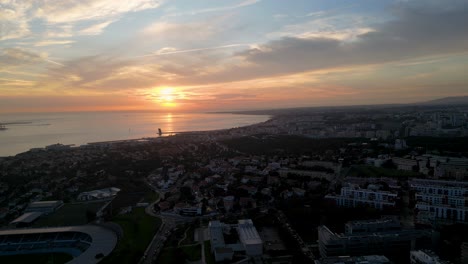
x=381, y=237
x=354, y=196
x=441, y=199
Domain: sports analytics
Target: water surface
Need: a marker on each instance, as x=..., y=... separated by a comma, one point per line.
x=26, y=131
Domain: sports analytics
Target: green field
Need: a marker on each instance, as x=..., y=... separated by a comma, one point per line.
x=50, y=258
x=192, y=253
x=180, y=254
x=209, y=258
x=139, y=229
x=151, y=197
x=70, y=214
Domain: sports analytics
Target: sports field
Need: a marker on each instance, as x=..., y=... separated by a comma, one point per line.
x=70, y=214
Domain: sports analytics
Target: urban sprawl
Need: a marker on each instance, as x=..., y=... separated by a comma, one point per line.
x=384, y=184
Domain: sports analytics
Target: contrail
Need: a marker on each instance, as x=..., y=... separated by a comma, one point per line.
x=194, y=50
x=54, y=62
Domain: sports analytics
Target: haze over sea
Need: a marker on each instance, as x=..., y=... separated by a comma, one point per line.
x=32, y=130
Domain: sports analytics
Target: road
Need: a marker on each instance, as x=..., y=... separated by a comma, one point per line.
x=168, y=224
x=305, y=249
x=201, y=239
x=154, y=248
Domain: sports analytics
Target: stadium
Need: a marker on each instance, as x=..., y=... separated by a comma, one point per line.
x=87, y=244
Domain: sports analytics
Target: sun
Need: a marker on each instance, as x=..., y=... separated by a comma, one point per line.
x=166, y=94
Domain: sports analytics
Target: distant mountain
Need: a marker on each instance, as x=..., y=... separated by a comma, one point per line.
x=454, y=100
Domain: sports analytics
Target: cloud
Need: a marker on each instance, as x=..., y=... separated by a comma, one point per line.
x=72, y=11
x=18, y=56
x=95, y=29
x=234, y=96
x=84, y=73
x=215, y=9
x=15, y=82
x=17, y=16
x=13, y=30
x=327, y=25
x=412, y=34
x=180, y=32
x=305, y=64
x=59, y=31
x=56, y=103
x=13, y=20
x=170, y=50
x=53, y=42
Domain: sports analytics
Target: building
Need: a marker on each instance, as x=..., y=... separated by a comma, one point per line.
x=98, y=194
x=187, y=209
x=443, y=166
x=85, y=243
x=439, y=199
x=380, y=237
x=228, y=203
x=400, y=144
x=26, y=219
x=45, y=207
x=425, y=257
x=385, y=224
x=374, y=259
x=227, y=239
x=249, y=238
x=354, y=196
x=405, y=164
x=464, y=253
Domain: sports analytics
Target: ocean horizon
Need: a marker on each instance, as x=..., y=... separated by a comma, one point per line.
x=36, y=130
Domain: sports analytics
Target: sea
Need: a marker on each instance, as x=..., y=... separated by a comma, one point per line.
x=35, y=130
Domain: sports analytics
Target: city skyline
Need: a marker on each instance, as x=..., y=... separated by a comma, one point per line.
x=229, y=55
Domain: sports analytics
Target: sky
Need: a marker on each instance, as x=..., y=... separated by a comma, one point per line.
x=212, y=55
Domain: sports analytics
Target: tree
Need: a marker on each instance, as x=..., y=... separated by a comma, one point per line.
x=186, y=194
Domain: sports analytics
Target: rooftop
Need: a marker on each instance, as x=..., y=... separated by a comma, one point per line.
x=103, y=239
x=45, y=204
x=376, y=259
x=27, y=217
x=216, y=233
x=248, y=233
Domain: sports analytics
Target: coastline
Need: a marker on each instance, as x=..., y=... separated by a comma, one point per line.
x=174, y=134
x=166, y=135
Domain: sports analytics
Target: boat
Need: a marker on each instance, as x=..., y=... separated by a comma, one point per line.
x=2, y=127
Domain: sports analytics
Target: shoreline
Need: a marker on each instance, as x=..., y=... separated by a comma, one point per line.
x=145, y=139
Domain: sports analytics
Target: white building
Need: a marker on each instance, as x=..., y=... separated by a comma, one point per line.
x=226, y=239
x=372, y=226
x=425, y=257
x=405, y=164
x=186, y=209
x=250, y=238
x=441, y=199
x=355, y=197
x=98, y=194
x=377, y=237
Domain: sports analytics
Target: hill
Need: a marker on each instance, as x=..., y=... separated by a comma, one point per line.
x=454, y=100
